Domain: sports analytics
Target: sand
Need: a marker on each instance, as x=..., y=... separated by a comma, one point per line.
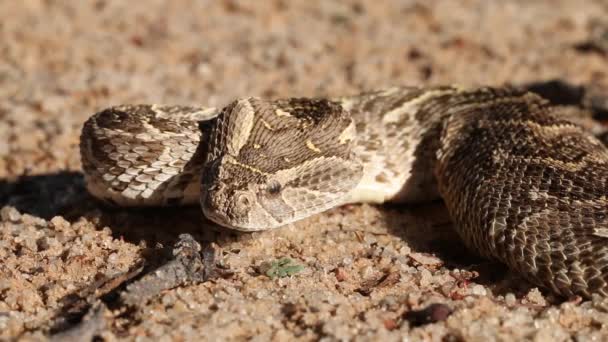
x=369, y=272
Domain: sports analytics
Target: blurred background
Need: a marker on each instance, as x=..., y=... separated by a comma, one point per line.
x=64, y=60
x=369, y=272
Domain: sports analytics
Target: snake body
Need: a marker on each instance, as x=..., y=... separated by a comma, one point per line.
x=523, y=185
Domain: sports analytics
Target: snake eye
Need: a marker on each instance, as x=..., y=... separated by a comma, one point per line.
x=273, y=187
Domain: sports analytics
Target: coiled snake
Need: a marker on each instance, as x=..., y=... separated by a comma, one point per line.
x=523, y=185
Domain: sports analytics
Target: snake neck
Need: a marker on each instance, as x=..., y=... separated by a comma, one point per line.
x=397, y=137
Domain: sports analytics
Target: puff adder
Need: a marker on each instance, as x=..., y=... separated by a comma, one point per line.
x=522, y=184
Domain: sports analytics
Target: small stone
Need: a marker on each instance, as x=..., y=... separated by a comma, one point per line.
x=367, y=272
x=390, y=324
x=426, y=278
x=113, y=258
x=478, y=290
x=261, y=294
x=389, y=302
x=447, y=288
x=510, y=299
x=405, y=250
x=341, y=274
x=30, y=243
x=347, y=261
x=426, y=259
x=33, y=220
x=42, y=244
x=369, y=239
x=535, y=297
x=59, y=223
x=388, y=251
x=10, y=214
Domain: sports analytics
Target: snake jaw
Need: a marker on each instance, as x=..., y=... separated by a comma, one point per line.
x=236, y=197
x=241, y=211
x=228, y=201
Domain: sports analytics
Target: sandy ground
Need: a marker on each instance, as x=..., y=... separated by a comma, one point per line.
x=369, y=272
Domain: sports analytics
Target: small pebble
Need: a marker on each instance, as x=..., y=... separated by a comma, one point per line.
x=113, y=258
x=42, y=244
x=389, y=302
x=59, y=223
x=536, y=297
x=478, y=290
x=10, y=214
x=426, y=278
x=405, y=250
x=510, y=299
x=347, y=261
x=390, y=324
x=367, y=272
x=341, y=274
x=370, y=239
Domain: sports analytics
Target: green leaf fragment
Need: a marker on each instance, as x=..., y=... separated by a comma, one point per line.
x=281, y=268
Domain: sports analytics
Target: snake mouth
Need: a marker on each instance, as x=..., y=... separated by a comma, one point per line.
x=211, y=211
x=218, y=219
x=241, y=211
x=243, y=226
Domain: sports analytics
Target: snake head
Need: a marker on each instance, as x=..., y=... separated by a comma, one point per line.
x=271, y=163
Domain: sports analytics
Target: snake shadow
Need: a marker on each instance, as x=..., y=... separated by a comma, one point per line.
x=427, y=227
x=64, y=194
x=46, y=195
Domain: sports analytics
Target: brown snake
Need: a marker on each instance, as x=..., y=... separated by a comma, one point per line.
x=522, y=184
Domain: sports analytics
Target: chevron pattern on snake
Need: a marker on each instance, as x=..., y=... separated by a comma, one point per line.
x=523, y=185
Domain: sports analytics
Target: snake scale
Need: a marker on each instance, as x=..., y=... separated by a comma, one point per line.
x=522, y=184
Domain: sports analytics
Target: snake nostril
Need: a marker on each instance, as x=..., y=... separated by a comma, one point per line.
x=243, y=204
x=243, y=201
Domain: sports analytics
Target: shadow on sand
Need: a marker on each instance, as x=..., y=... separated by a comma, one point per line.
x=64, y=194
